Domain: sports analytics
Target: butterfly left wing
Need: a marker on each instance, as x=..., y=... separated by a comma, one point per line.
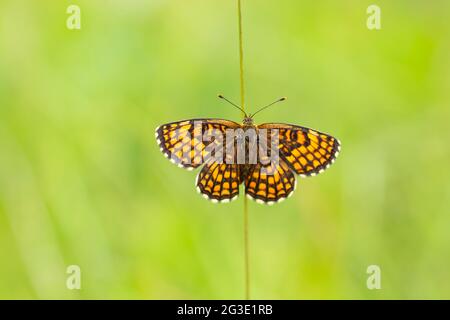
x=182, y=141
x=307, y=152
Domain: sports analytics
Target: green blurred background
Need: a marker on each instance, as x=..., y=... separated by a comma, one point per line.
x=82, y=180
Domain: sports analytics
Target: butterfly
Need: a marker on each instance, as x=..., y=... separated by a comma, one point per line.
x=214, y=145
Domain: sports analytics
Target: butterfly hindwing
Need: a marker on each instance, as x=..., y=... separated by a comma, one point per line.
x=183, y=141
x=219, y=182
x=270, y=183
x=306, y=151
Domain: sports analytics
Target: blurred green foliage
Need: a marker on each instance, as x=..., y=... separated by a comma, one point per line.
x=83, y=182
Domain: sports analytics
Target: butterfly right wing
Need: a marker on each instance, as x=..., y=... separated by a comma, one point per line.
x=270, y=183
x=184, y=143
x=307, y=152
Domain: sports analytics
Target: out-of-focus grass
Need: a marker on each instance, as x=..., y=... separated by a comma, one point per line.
x=83, y=182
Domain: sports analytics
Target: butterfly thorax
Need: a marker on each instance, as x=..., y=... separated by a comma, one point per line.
x=246, y=167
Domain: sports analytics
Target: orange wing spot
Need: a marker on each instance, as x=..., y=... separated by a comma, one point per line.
x=290, y=158
x=262, y=186
x=297, y=166
x=216, y=188
x=226, y=185
x=280, y=187
x=323, y=144
x=303, y=150
x=317, y=154
x=311, y=148
x=225, y=192
x=173, y=134
x=303, y=161
x=186, y=148
x=261, y=193
x=178, y=145
x=276, y=176
x=227, y=174
x=295, y=153
x=301, y=138
x=310, y=157
x=316, y=163
x=315, y=145
x=198, y=160
x=234, y=185
x=210, y=184
x=272, y=190
x=313, y=137
x=195, y=141
x=252, y=185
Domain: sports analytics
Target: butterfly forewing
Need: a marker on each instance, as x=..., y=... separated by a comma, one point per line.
x=186, y=142
x=306, y=151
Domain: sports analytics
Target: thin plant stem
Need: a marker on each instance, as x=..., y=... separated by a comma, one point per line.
x=241, y=57
x=246, y=222
x=246, y=249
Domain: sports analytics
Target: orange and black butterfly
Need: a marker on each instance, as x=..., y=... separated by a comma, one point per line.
x=209, y=143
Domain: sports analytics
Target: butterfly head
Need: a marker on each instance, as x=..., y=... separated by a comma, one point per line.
x=248, y=121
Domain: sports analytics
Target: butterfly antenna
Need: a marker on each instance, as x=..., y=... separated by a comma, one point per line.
x=233, y=104
x=279, y=100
